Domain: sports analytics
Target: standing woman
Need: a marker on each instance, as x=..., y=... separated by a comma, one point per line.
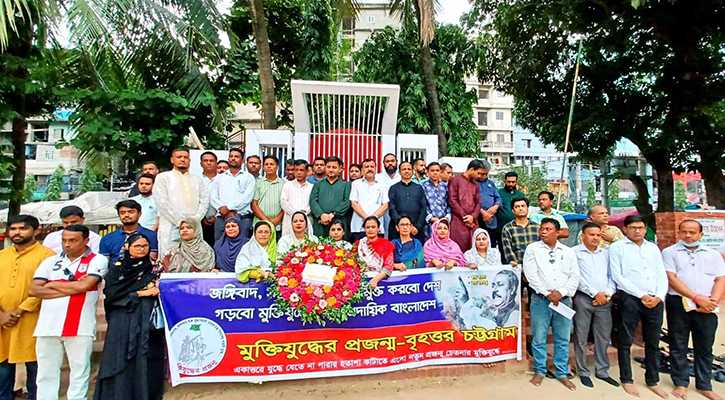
x=132, y=363
x=482, y=254
x=440, y=251
x=376, y=252
x=260, y=251
x=408, y=250
x=298, y=235
x=192, y=254
x=227, y=248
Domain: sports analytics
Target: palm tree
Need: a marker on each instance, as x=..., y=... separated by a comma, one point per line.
x=169, y=44
x=264, y=62
x=420, y=15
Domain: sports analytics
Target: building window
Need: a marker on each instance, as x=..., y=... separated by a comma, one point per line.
x=499, y=115
x=348, y=25
x=483, y=93
x=371, y=19
x=482, y=118
x=500, y=138
x=40, y=132
x=31, y=151
x=528, y=143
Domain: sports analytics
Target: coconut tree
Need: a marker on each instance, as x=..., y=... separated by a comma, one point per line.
x=420, y=16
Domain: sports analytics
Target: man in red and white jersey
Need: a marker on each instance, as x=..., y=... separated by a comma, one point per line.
x=68, y=285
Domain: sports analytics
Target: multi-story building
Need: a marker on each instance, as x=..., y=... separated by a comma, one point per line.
x=492, y=116
x=530, y=151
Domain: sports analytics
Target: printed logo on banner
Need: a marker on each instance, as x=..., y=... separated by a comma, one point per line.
x=200, y=345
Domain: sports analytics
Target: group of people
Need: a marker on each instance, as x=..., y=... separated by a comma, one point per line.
x=241, y=215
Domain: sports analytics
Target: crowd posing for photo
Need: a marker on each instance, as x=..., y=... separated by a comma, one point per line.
x=241, y=215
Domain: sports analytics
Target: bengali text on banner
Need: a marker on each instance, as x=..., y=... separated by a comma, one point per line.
x=220, y=330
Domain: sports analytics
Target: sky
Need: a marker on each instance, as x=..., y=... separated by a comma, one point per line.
x=450, y=11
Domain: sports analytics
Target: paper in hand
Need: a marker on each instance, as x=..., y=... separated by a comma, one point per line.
x=566, y=311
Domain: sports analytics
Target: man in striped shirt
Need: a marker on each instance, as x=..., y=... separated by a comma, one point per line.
x=519, y=233
x=267, y=205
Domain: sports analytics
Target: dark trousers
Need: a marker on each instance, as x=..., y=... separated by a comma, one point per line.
x=632, y=311
x=679, y=326
x=208, y=232
x=494, y=235
x=7, y=380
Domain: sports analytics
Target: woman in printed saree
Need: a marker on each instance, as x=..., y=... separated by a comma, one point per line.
x=258, y=255
x=295, y=238
x=440, y=251
x=376, y=252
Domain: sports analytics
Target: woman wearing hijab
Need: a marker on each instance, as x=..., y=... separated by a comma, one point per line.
x=298, y=235
x=132, y=363
x=193, y=254
x=408, y=250
x=482, y=254
x=376, y=252
x=440, y=251
x=227, y=248
x=260, y=251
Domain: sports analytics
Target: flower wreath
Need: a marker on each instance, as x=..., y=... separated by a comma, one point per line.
x=319, y=303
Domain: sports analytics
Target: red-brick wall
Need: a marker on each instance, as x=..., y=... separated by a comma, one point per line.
x=667, y=223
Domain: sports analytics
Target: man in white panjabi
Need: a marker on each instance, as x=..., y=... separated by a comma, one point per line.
x=296, y=197
x=178, y=195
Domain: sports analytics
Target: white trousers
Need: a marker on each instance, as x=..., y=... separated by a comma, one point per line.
x=50, y=350
x=164, y=236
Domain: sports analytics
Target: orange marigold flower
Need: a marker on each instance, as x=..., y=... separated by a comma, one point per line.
x=338, y=262
x=292, y=283
x=340, y=253
x=326, y=288
x=331, y=301
x=350, y=262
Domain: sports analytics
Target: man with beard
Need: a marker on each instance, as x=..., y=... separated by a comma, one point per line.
x=505, y=214
x=446, y=172
x=296, y=196
x=19, y=310
x=436, y=195
x=388, y=178
x=289, y=170
x=148, y=167
x=318, y=170
x=464, y=196
x=231, y=195
x=149, y=216
x=112, y=245
x=178, y=195
x=330, y=199
x=490, y=203
x=419, y=170
x=254, y=165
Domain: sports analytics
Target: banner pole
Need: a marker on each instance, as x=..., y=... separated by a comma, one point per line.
x=568, y=125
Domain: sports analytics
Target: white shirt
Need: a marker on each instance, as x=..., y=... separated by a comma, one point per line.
x=148, y=211
x=386, y=180
x=54, y=241
x=180, y=195
x=295, y=197
x=697, y=269
x=638, y=270
x=69, y=315
x=550, y=269
x=370, y=196
x=233, y=191
x=594, y=275
x=210, y=211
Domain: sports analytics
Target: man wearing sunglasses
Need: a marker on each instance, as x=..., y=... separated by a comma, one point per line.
x=697, y=283
x=68, y=286
x=553, y=274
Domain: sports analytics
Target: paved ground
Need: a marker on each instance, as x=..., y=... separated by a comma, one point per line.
x=511, y=384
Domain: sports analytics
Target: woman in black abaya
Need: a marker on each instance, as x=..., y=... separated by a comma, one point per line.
x=132, y=364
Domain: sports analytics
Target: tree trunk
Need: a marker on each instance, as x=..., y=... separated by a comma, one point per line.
x=665, y=183
x=642, y=201
x=434, y=106
x=264, y=62
x=19, y=136
x=714, y=184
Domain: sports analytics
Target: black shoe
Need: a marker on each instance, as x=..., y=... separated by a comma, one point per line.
x=550, y=374
x=586, y=381
x=609, y=380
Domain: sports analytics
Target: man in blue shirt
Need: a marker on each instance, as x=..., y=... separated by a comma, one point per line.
x=129, y=212
x=490, y=202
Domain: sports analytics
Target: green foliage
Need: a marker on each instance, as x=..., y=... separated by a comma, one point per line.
x=649, y=72
x=613, y=190
x=301, y=48
x=55, y=184
x=591, y=195
x=680, y=195
x=145, y=123
x=29, y=188
x=89, y=181
x=391, y=56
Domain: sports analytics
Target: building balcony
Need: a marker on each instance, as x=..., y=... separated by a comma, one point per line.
x=492, y=146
